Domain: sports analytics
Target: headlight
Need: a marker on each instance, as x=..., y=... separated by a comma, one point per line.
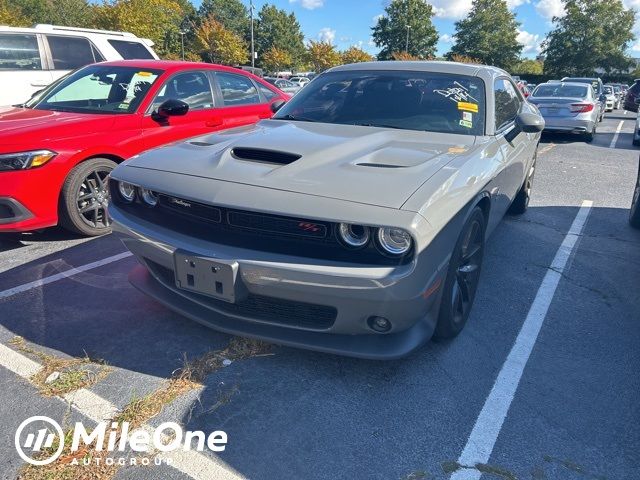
x=24, y=160
x=354, y=235
x=394, y=241
x=149, y=197
x=127, y=191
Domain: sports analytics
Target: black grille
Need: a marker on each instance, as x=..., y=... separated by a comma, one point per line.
x=257, y=307
x=6, y=211
x=255, y=230
x=263, y=155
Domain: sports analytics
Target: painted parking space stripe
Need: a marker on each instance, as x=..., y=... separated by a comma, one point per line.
x=616, y=135
x=62, y=275
x=193, y=463
x=489, y=422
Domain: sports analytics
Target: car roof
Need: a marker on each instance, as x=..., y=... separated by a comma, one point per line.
x=173, y=65
x=455, y=68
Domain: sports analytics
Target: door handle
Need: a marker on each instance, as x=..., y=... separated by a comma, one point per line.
x=214, y=122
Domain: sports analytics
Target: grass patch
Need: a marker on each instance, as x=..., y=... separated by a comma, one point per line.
x=75, y=373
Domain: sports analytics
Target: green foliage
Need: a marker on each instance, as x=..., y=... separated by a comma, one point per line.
x=275, y=28
x=11, y=16
x=275, y=60
x=355, y=55
x=528, y=66
x=390, y=33
x=592, y=34
x=220, y=45
x=232, y=14
x=323, y=55
x=488, y=34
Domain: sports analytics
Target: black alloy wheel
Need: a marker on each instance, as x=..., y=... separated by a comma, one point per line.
x=85, y=197
x=463, y=277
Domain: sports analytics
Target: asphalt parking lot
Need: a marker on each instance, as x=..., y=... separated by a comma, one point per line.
x=561, y=402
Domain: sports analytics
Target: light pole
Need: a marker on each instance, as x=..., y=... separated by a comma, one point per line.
x=253, y=48
x=182, y=33
x=406, y=46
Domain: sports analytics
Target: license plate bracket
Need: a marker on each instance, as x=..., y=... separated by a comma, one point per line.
x=215, y=278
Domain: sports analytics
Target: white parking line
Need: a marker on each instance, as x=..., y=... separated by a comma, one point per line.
x=616, y=135
x=489, y=423
x=59, y=276
x=193, y=463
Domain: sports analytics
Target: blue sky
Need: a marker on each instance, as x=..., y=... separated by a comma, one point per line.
x=348, y=22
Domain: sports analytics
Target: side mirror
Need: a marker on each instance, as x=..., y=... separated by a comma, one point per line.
x=172, y=108
x=277, y=105
x=525, y=122
x=602, y=98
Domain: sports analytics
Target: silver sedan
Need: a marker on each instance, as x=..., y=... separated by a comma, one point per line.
x=568, y=107
x=353, y=222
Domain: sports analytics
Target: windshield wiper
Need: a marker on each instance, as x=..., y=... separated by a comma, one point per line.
x=295, y=118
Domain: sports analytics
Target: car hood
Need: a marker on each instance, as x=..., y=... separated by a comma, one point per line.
x=29, y=126
x=369, y=165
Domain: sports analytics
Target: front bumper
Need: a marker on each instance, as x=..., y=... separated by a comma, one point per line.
x=295, y=291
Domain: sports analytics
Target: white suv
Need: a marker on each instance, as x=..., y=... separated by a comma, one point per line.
x=32, y=58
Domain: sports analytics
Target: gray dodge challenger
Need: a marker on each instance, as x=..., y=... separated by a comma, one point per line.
x=352, y=222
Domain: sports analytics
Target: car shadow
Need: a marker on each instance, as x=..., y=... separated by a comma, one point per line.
x=300, y=414
x=10, y=241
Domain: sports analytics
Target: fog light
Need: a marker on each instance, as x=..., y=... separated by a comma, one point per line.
x=149, y=197
x=379, y=324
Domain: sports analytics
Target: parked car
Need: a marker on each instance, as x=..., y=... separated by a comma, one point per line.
x=568, y=107
x=634, y=212
x=301, y=81
x=522, y=86
x=284, y=85
x=633, y=93
x=353, y=222
x=636, y=130
x=598, y=88
x=610, y=103
x=32, y=58
x=618, y=92
x=532, y=86
x=57, y=150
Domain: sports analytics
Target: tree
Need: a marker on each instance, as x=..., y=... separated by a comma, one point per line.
x=158, y=20
x=219, y=44
x=11, y=16
x=276, y=28
x=404, y=18
x=454, y=57
x=232, y=14
x=355, y=55
x=322, y=55
x=489, y=34
x=403, y=56
x=276, y=59
x=528, y=66
x=592, y=34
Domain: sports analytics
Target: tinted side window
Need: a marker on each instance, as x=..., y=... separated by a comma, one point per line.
x=131, y=50
x=267, y=92
x=237, y=90
x=635, y=88
x=19, y=52
x=507, y=103
x=69, y=53
x=190, y=87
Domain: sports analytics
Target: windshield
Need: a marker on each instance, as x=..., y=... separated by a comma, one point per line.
x=424, y=101
x=560, y=90
x=608, y=90
x=99, y=89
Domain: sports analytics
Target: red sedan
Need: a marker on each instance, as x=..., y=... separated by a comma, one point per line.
x=57, y=150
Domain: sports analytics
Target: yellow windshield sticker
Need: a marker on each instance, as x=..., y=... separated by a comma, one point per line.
x=469, y=107
x=457, y=150
x=145, y=74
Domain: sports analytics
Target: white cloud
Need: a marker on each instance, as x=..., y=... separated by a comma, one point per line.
x=374, y=20
x=456, y=9
x=309, y=4
x=446, y=38
x=530, y=41
x=327, y=34
x=550, y=8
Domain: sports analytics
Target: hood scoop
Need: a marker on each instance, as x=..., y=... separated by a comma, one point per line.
x=264, y=155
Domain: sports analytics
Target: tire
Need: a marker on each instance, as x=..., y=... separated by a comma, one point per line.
x=634, y=213
x=521, y=201
x=463, y=277
x=84, y=198
x=588, y=137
